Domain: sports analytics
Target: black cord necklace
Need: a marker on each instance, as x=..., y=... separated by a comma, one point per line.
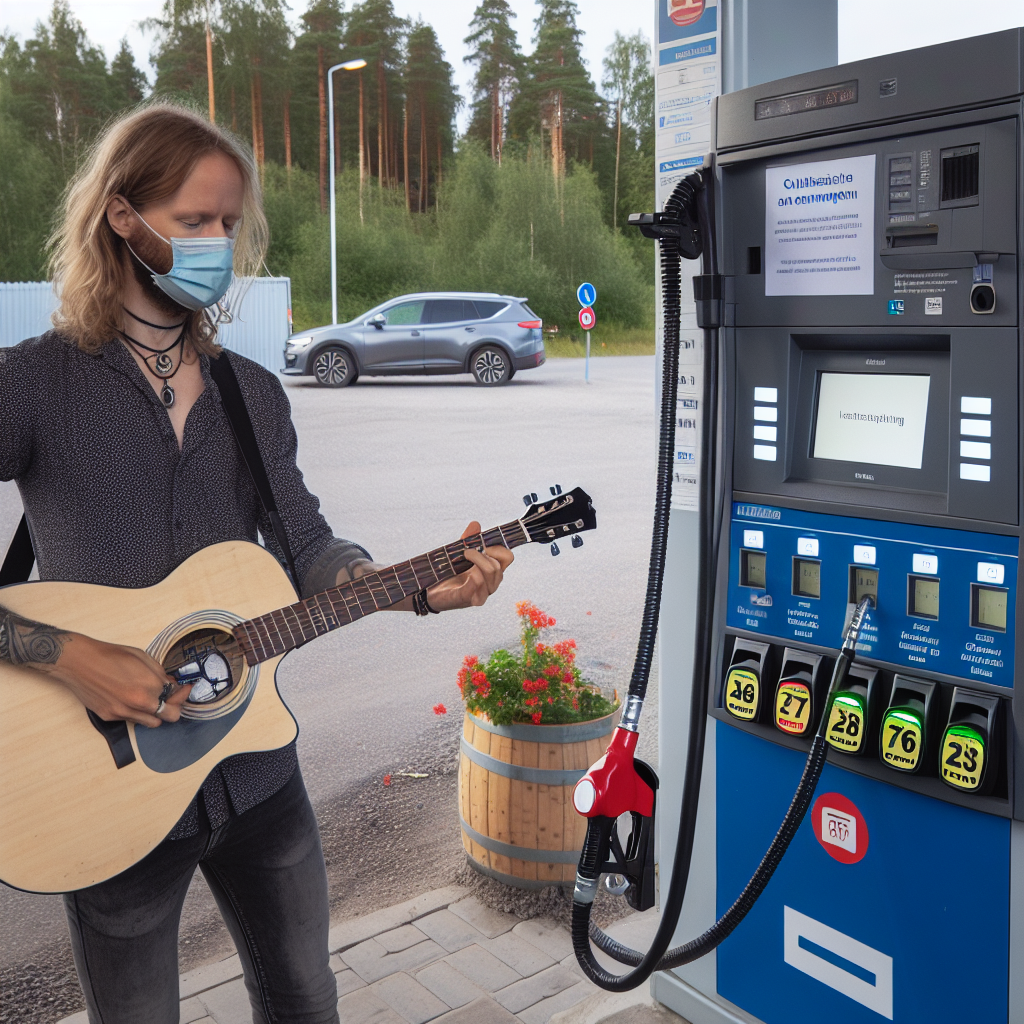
x=163, y=366
x=156, y=327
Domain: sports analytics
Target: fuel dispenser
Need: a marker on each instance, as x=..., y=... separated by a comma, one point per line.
x=854, y=670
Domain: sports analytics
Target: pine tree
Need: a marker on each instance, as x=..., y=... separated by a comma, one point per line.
x=559, y=97
x=499, y=64
x=431, y=104
x=128, y=84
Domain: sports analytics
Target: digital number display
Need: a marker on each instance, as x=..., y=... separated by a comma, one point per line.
x=924, y=597
x=813, y=99
x=752, y=569
x=806, y=578
x=863, y=583
x=988, y=607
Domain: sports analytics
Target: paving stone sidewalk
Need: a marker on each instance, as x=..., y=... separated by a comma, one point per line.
x=443, y=957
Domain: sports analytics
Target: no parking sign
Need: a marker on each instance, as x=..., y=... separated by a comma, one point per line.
x=587, y=318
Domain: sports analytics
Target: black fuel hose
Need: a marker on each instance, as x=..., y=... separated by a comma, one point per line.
x=692, y=196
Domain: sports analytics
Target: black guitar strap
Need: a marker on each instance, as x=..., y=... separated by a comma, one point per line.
x=20, y=557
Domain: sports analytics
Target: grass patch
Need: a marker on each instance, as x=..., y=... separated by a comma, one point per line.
x=604, y=341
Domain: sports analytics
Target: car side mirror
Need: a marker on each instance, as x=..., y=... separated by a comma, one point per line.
x=379, y=321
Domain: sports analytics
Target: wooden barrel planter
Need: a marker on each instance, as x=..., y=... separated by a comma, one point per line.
x=515, y=797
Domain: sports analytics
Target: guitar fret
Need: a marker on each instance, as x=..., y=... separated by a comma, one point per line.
x=305, y=621
x=399, y=583
x=425, y=567
x=360, y=588
x=330, y=617
x=316, y=616
x=280, y=619
x=298, y=625
x=345, y=592
x=415, y=575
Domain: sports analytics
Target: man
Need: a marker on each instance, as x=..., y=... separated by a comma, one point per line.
x=114, y=431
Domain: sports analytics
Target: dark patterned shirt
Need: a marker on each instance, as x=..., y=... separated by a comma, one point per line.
x=110, y=498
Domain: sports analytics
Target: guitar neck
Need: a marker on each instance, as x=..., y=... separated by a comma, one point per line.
x=283, y=630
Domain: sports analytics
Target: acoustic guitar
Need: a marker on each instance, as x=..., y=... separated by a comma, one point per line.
x=81, y=799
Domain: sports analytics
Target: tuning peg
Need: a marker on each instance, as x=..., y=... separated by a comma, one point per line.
x=526, y=499
x=554, y=549
x=556, y=490
x=577, y=541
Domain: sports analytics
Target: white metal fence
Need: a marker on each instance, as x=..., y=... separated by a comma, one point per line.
x=262, y=310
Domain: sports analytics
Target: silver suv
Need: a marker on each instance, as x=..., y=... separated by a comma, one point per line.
x=483, y=333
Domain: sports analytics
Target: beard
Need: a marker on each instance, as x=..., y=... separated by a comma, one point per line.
x=156, y=253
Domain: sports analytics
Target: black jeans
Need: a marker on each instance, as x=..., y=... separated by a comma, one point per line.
x=266, y=870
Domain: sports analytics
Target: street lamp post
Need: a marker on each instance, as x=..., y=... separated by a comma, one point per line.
x=349, y=65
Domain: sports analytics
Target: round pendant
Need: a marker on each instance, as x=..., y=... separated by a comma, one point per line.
x=167, y=395
x=163, y=363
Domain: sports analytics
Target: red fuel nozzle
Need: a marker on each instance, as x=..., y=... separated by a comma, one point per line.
x=612, y=786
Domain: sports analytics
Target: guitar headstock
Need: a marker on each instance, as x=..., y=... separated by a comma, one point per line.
x=563, y=515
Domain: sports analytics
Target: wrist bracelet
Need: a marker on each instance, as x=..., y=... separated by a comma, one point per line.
x=421, y=606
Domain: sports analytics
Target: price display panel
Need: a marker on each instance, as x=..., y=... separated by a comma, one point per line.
x=923, y=597
x=753, y=565
x=988, y=607
x=863, y=583
x=806, y=577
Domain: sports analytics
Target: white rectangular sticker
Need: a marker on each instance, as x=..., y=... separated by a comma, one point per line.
x=838, y=960
x=877, y=418
x=839, y=828
x=819, y=232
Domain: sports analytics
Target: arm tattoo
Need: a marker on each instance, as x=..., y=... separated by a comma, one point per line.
x=24, y=642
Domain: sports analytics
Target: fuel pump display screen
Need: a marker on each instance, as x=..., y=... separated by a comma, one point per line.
x=988, y=607
x=874, y=418
x=924, y=597
x=806, y=578
x=863, y=582
x=752, y=569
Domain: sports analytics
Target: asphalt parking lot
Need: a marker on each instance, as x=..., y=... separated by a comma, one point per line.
x=401, y=465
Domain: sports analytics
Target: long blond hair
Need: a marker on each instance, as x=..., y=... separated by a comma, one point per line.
x=144, y=156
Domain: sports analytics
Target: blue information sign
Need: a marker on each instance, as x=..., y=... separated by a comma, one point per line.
x=586, y=294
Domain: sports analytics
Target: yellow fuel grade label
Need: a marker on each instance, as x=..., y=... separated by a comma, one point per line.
x=901, y=740
x=742, y=693
x=793, y=708
x=962, y=760
x=846, y=725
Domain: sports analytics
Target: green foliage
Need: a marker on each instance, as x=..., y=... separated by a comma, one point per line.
x=499, y=67
x=541, y=685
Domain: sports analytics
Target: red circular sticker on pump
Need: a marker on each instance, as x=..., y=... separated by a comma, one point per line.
x=840, y=827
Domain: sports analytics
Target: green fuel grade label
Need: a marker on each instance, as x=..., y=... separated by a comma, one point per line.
x=845, y=731
x=962, y=760
x=901, y=739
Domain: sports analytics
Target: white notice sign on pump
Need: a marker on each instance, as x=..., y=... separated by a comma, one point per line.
x=819, y=230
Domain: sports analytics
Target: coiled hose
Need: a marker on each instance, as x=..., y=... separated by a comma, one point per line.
x=692, y=196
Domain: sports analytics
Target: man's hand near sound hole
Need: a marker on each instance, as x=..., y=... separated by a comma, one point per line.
x=116, y=682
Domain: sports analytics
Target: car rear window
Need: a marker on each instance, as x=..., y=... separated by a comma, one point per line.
x=533, y=316
x=485, y=308
x=446, y=311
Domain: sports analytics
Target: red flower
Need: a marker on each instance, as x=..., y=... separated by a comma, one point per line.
x=551, y=670
x=551, y=700
x=469, y=661
x=440, y=709
x=387, y=779
x=575, y=704
x=532, y=700
x=535, y=685
x=567, y=676
x=479, y=679
x=536, y=716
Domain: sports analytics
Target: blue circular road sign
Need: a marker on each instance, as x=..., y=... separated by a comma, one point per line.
x=586, y=294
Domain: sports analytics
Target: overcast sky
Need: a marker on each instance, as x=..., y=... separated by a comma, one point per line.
x=866, y=27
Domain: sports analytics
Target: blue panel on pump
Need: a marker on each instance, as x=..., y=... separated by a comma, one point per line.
x=901, y=914
x=946, y=599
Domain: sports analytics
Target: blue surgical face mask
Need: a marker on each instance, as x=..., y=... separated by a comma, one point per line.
x=200, y=271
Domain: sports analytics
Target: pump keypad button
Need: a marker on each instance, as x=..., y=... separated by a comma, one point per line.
x=846, y=723
x=902, y=739
x=793, y=708
x=962, y=761
x=742, y=693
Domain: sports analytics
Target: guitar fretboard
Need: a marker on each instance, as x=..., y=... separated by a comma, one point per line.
x=283, y=630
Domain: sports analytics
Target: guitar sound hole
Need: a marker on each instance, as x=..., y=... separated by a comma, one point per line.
x=194, y=647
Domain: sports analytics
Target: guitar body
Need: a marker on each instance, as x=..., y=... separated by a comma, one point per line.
x=69, y=817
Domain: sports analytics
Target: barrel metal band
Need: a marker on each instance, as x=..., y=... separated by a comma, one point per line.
x=522, y=773
x=575, y=733
x=519, y=852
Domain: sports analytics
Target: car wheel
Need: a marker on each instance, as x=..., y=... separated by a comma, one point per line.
x=491, y=367
x=334, y=368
